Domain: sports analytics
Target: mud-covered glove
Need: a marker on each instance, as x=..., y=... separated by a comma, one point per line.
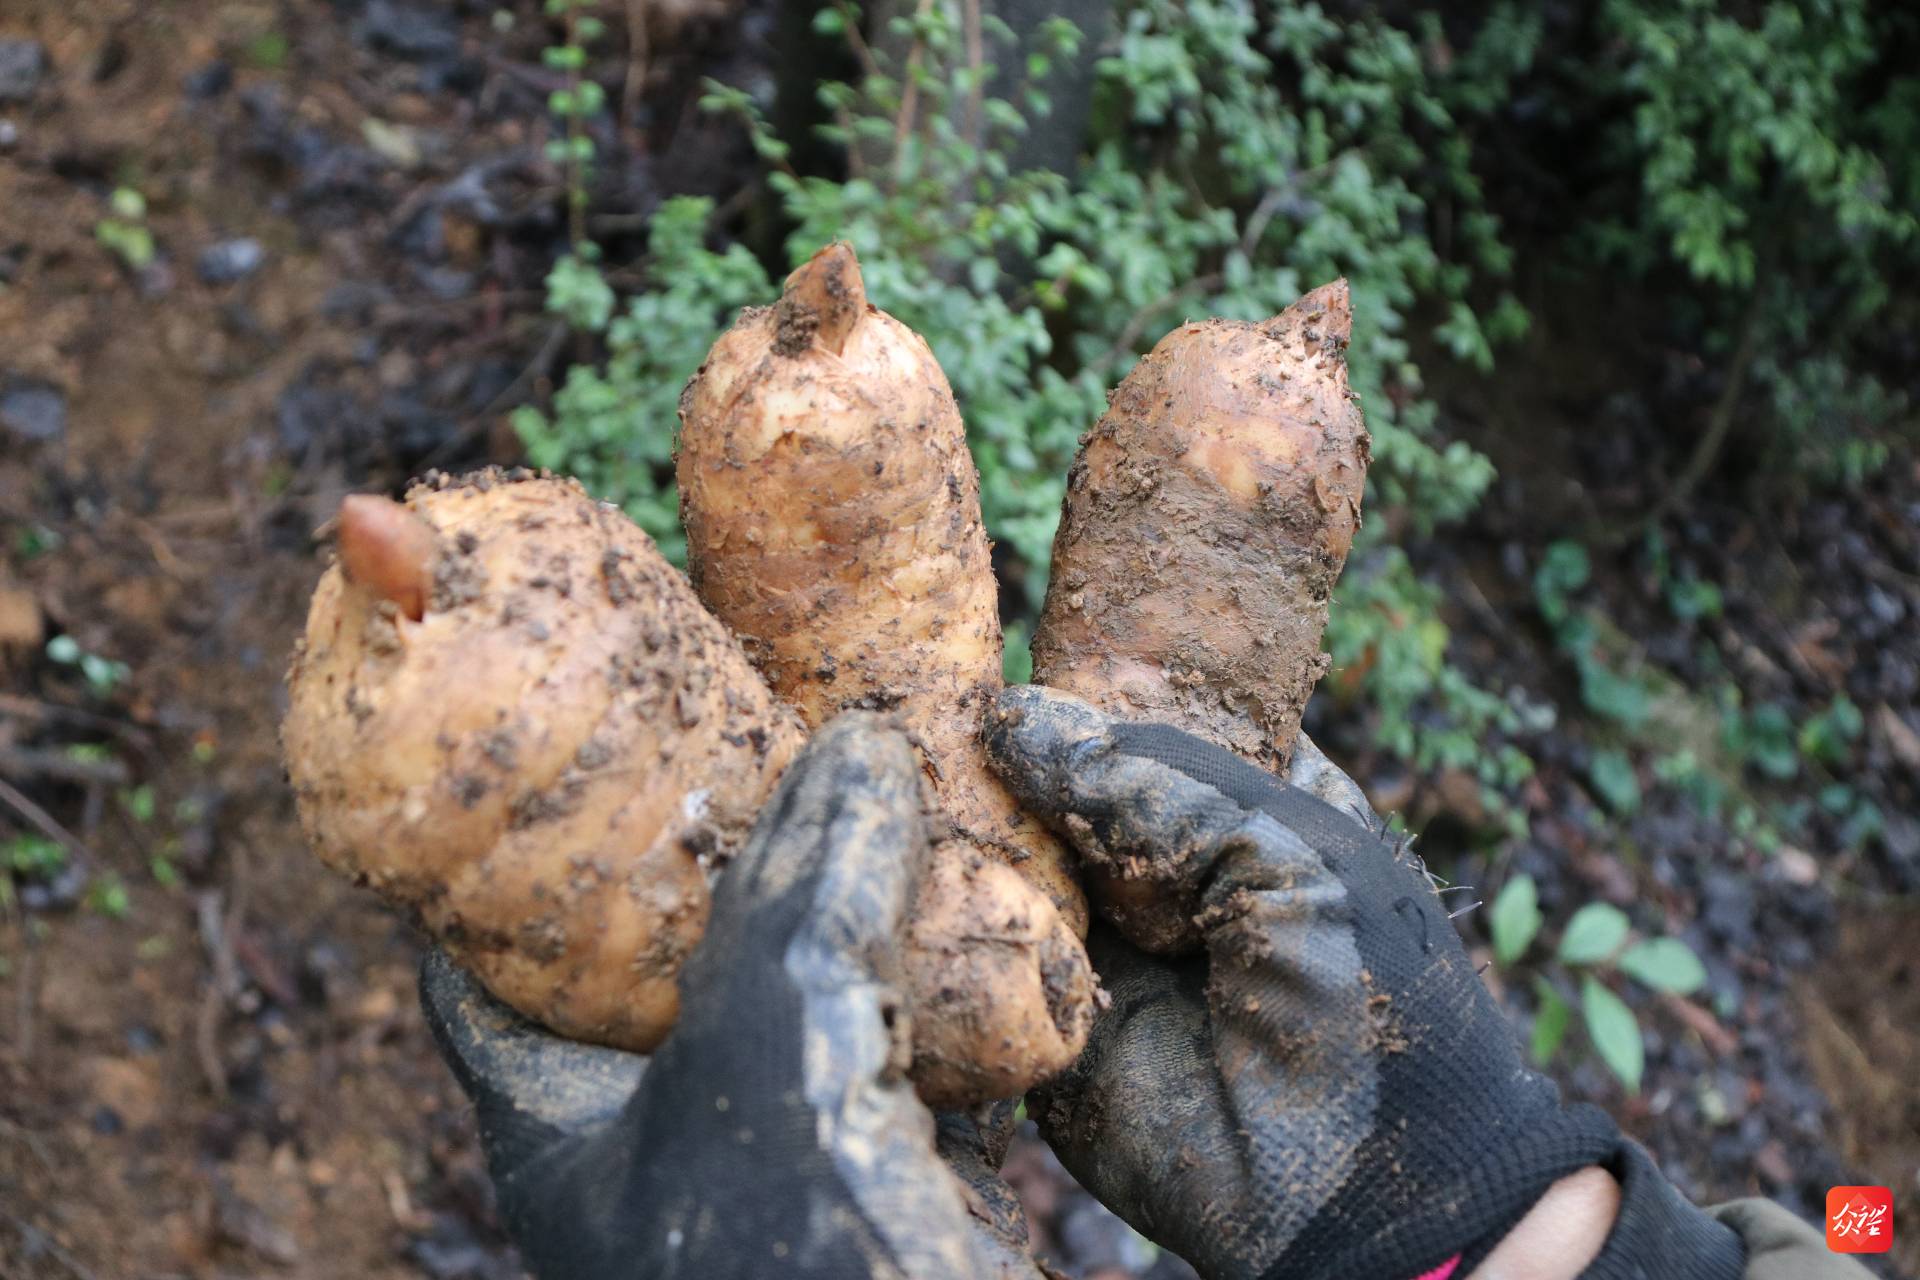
x=1329, y=1091
x=774, y=1133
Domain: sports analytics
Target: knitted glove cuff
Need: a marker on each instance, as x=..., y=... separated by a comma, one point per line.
x=1462, y=1212
x=1659, y=1235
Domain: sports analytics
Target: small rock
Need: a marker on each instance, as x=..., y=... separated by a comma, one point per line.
x=377, y=1007
x=1797, y=866
x=231, y=260
x=209, y=81
x=22, y=64
x=415, y=33
x=398, y=144
x=32, y=410
x=1728, y=909
x=240, y=1222
x=61, y=893
x=156, y=279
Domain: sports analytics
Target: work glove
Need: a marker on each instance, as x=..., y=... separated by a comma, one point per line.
x=1328, y=1091
x=774, y=1133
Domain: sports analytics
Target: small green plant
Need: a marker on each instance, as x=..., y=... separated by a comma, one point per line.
x=269, y=50
x=1597, y=942
x=28, y=857
x=108, y=896
x=34, y=856
x=1613, y=777
x=576, y=289
x=35, y=540
x=103, y=675
x=124, y=230
x=1827, y=736
x=1609, y=687
x=139, y=803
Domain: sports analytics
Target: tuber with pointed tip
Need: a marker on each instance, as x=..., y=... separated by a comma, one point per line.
x=833, y=522
x=509, y=716
x=1223, y=484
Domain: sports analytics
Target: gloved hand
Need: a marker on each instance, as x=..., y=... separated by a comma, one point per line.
x=1329, y=1091
x=774, y=1133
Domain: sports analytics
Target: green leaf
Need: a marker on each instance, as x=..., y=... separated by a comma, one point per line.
x=33, y=855
x=1615, y=1032
x=269, y=50
x=1611, y=773
x=1550, y=1023
x=127, y=204
x=1515, y=918
x=1665, y=964
x=109, y=897
x=139, y=802
x=1564, y=569
x=1828, y=737
x=1595, y=932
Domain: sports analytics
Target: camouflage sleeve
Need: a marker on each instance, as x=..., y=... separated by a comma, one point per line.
x=1780, y=1246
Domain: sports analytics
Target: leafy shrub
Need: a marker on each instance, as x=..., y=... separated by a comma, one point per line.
x=1777, y=159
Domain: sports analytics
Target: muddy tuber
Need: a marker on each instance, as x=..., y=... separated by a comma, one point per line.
x=1223, y=483
x=833, y=522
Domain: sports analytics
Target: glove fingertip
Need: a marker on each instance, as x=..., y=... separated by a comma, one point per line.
x=509, y=1065
x=1035, y=738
